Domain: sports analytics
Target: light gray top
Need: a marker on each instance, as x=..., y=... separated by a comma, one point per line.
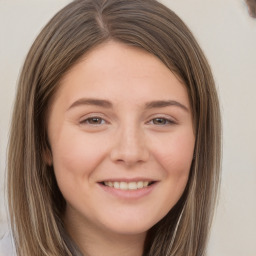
x=7, y=245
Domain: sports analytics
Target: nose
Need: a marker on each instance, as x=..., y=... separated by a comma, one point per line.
x=130, y=147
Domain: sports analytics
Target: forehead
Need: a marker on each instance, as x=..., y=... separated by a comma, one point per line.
x=117, y=71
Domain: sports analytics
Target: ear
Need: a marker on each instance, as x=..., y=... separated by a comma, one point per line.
x=47, y=156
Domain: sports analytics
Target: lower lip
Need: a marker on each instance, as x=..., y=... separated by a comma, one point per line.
x=128, y=194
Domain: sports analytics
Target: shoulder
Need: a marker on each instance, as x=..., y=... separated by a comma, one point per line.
x=7, y=245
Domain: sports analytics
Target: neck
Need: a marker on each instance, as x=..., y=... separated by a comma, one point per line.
x=99, y=242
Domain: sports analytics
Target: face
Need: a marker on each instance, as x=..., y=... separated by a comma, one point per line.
x=121, y=135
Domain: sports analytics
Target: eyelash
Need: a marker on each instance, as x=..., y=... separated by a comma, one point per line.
x=162, y=121
x=87, y=121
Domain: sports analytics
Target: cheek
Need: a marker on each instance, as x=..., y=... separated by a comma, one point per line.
x=75, y=158
x=75, y=154
x=176, y=154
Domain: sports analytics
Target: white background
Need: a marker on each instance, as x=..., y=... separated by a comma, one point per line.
x=228, y=36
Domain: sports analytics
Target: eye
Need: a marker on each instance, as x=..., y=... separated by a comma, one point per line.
x=93, y=121
x=161, y=121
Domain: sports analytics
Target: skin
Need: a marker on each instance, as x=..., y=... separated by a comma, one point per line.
x=126, y=138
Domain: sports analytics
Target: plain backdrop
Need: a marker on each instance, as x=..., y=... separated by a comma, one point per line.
x=228, y=37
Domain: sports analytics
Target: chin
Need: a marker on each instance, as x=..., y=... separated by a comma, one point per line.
x=130, y=226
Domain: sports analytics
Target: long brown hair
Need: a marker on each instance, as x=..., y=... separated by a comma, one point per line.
x=35, y=202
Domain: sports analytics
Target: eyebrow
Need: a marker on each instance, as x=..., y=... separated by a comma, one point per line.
x=165, y=103
x=94, y=102
x=108, y=104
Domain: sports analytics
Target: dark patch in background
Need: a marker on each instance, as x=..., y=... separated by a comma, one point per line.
x=251, y=7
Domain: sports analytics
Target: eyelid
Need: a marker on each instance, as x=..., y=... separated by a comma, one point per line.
x=83, y=120
x=170, y=120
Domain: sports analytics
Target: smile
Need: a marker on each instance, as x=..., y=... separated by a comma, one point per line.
x=127, y=185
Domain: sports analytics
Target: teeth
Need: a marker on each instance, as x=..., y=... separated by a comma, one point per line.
x=140, y=184
x=132, y=185
x=116, y=184
x=127, y=185
x=124, y=185
x=145, y=183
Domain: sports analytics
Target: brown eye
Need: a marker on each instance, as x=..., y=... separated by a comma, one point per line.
x=93, y=121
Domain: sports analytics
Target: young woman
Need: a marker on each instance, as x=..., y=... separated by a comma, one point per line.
x=115, y=140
